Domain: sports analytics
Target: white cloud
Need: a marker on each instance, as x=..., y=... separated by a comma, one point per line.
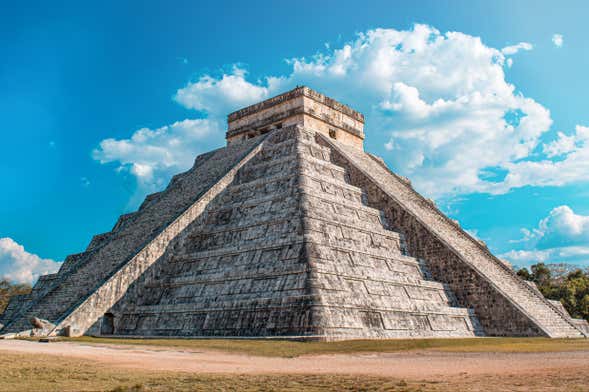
x=563, y=227
x=18, y=265
x=562, y=236
x=557, y=40
x=562, y=145
x=152, y=156
x=527, y=257
x=442, y=99
x=576, y=255
x=218, y=97
x=574, y=167
x=439, y=103
x=513, y=49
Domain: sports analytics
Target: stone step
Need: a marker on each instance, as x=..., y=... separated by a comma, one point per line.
x=280, y=243
x=124, y=219
x=315, y=221
x=314, y=160
x=281, y=229
x=363, y=212
x=290, y=161
x=287, y=267
x=213, y=225
x=99, y=240
x=272, y=151
x=348, y=217
x=333, y=202
x=362, y=241
x=257, y=170
x=260, y=300
x=332, y=186
x=317, y=151
x=317, y=182
x=360, y=257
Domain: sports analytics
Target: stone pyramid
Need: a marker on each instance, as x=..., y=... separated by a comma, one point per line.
x=291, y=230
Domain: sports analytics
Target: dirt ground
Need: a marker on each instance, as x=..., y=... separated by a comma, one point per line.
x=401, y=365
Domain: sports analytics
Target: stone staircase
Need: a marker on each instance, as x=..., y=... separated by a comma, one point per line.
x=384, y=279
x=539, y=310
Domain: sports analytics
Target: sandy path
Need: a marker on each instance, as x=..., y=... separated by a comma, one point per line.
x=415, y=364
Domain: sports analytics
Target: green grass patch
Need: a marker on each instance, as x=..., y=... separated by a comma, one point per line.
x=289, y=349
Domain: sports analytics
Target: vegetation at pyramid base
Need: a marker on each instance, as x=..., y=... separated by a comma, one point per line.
x=571, y=289
x=8, y=290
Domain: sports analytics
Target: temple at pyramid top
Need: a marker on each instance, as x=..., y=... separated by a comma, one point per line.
x=302, y=106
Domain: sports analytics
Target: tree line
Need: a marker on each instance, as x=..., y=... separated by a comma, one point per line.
x=571, y=289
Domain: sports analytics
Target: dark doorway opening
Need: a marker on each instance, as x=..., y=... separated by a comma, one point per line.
x=107, y=327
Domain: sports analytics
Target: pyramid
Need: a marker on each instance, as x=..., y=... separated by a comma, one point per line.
x=290, y=231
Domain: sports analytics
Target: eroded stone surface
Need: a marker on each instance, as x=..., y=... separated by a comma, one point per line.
x=289, y=233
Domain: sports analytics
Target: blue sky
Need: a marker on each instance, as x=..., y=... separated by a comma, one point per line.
x=481, y=104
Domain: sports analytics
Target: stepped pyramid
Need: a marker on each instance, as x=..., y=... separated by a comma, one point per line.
x=291, y=230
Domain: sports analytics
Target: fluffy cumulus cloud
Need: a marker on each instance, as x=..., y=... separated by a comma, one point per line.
x=562, y=236
x=557, y=40
x=18, y=265
x=152, y=155
x=566, y=161
x=438, y=103
x=219, y=96
x=452, y=121
x=562, y=227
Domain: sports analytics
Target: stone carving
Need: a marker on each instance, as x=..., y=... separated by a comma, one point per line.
x=291, y=233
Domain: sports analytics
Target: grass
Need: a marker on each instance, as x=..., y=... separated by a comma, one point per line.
x=290, y=349
x=46, y=373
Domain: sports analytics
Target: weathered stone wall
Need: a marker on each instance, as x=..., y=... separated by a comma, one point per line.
x=82, y=274
x=369, y=286
x=504, y=304
x=115, y=287
x=268, y=115
x=322, y=118
x=241, y=271
x=301, y=106
x=289, y=249
x=291, y=95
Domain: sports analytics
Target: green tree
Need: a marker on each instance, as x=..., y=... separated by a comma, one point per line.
x=541, y=274
x=524, y=274
x=572, y=291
